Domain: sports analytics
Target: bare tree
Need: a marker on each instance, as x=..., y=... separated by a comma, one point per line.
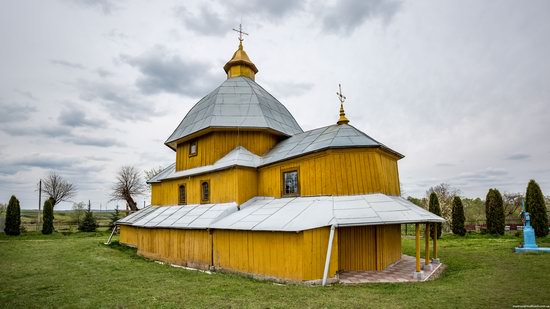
x=150, y=173
x=59, y=189
x=512, y=204
x=445, y=194
x=129, y=184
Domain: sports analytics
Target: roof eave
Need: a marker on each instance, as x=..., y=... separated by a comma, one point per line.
x=172, y=143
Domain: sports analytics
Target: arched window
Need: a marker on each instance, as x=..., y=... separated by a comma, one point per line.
x=182, y=198
x=205, y=191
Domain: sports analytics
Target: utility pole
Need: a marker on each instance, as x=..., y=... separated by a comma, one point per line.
x=39, y=203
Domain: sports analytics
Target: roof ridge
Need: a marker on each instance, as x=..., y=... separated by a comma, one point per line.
x=249, y=80
x=169, y=139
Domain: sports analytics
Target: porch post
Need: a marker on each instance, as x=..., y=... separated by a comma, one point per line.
x=427, y=262
x=418, y=274
x=435, y=260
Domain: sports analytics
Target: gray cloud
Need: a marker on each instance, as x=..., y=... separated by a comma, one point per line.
x=289, y=88
x=103, y=72
x=164, y=72
x=518, y=156
x=445, y=164
x=120, y=101
x=488, y=175
x=273, y=10
x=92, y=141
x=106, y=6
x=346, y=15
x=26, y=94
x=73, y=117
x=207, y=21
x=15, y=112
x=47, y=131
x=68, y=64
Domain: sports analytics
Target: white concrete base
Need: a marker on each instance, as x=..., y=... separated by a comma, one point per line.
x=428, y=267
x=436, y=261
x=418, y=275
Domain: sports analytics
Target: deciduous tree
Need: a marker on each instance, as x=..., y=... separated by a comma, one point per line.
x=58, y=189
x=128, y=185
x=445, y=194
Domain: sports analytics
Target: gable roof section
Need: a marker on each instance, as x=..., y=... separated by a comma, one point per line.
x=333, y=136
x=238, y=102
x=285, y=214
x=239, y=156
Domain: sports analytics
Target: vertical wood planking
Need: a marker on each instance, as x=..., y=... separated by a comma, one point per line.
x=213, y=146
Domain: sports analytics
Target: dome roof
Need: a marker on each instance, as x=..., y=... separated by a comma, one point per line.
x=238, y=102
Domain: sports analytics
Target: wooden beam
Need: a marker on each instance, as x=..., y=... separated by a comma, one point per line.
x=427, y=245
x=417, y=226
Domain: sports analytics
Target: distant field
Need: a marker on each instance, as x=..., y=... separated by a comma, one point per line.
x=64, y=220
x=79, y=271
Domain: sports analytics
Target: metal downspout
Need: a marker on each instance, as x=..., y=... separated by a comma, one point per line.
x=329, y=252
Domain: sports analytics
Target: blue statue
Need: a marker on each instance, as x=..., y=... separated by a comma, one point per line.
x=529, y=240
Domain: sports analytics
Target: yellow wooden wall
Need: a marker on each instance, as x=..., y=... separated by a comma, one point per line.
x=237, y=184
x=285, y=255
x=128, y=235
x=388, y=242
x=368, y=247
x=191, y=248
x=213, y=146
x=336, y=172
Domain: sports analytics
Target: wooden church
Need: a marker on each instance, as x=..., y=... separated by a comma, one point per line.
x=251, y=192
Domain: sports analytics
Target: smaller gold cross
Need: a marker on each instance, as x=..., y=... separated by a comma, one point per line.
x=241, y=32
x=341, y=97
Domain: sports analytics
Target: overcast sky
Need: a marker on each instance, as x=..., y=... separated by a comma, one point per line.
x=461, y=88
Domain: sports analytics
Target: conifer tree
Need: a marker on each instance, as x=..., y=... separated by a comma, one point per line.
x=458, y=217
x=435, y=209
x=494, y=212
x=114, y=218
x=47, y=217
x=89, y=223
x=13, y=217
x=535, y=206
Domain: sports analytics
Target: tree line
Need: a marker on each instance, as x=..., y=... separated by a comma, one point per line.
x=444, y=200
x=128, y=185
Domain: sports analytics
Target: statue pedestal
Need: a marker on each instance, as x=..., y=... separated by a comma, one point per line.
x=529, y=239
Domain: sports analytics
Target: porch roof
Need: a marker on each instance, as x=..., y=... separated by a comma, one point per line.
x=286, y=214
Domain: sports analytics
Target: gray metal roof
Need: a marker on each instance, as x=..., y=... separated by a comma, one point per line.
x=239, y=156
x=286, y=214
x=237, y=102
x=198, y=216
x=333, y=136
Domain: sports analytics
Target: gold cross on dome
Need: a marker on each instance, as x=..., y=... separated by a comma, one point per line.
x=341, y=97
x=241, y=32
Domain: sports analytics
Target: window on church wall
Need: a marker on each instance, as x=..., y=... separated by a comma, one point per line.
x=205, y=191
x=182, y=198
x=193, y=148
x=291, y=185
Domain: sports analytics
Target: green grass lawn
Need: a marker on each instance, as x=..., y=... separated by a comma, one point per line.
x=79, y=271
